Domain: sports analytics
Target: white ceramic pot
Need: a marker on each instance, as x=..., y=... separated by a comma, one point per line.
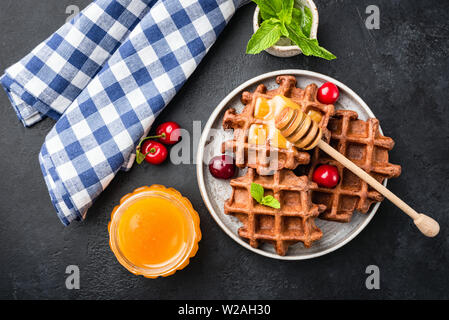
x=290, y=51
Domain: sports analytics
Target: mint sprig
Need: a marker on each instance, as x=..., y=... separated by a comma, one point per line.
x=282, y=18
x=257, y=192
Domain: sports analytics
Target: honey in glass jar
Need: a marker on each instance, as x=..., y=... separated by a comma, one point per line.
x=154, y=231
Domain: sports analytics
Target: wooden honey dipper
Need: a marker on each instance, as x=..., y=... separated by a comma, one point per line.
x=299, y=129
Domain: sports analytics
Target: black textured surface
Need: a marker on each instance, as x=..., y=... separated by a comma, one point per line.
x=399, y=70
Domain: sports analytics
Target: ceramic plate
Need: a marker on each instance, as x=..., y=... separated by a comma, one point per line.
x=215, y=191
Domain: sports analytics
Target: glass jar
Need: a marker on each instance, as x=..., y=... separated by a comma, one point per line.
x=154, y=231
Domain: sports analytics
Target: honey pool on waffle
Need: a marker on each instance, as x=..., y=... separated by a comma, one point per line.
x=257, y=143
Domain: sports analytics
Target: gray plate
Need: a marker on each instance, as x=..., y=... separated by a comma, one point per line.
x=215, y=191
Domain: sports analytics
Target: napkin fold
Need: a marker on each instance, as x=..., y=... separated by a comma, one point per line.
x=50, y=78
x=97, y=134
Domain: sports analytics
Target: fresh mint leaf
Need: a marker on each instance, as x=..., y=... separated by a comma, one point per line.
x=309, y=47
x=277, y=4
x=284, y=30
x=271, y=201
x=266, y=36
x=257, y=192
x=307, y=21
x=285, y=14
x=268, y=8
x=302, y=18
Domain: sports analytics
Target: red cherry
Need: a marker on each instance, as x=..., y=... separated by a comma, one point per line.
x=326, y=176
x=155, y=152
x=328, y=93
x=170, y=132
x=222, y=167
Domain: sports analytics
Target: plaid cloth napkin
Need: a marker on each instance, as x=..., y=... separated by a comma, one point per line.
x=97, y=133
x=49, y=79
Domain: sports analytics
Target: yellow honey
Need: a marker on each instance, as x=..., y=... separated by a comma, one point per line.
x=267, y=110
x=315, y=115
x=257, y=134
x=154, y=231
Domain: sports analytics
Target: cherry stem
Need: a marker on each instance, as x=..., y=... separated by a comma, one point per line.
x=152, y=150
x=163, y=135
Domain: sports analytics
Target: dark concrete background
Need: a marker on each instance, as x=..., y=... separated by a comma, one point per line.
x=399, y=70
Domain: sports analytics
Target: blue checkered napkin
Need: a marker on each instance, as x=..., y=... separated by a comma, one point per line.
x=49, y=79
x=98, y=133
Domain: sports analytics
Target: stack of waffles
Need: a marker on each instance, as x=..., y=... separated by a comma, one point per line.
x=270, y=161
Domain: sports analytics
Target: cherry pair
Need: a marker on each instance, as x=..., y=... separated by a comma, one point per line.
x=155, y=152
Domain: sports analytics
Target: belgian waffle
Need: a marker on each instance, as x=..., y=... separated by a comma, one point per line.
x=361, y=142
x=266, y=158
x=292, y=223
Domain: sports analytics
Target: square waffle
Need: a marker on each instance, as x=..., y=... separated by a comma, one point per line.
x=292, y=223
x=257, y=143
x=361, y=142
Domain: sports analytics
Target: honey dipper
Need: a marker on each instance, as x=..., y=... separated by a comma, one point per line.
x=299, y=129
